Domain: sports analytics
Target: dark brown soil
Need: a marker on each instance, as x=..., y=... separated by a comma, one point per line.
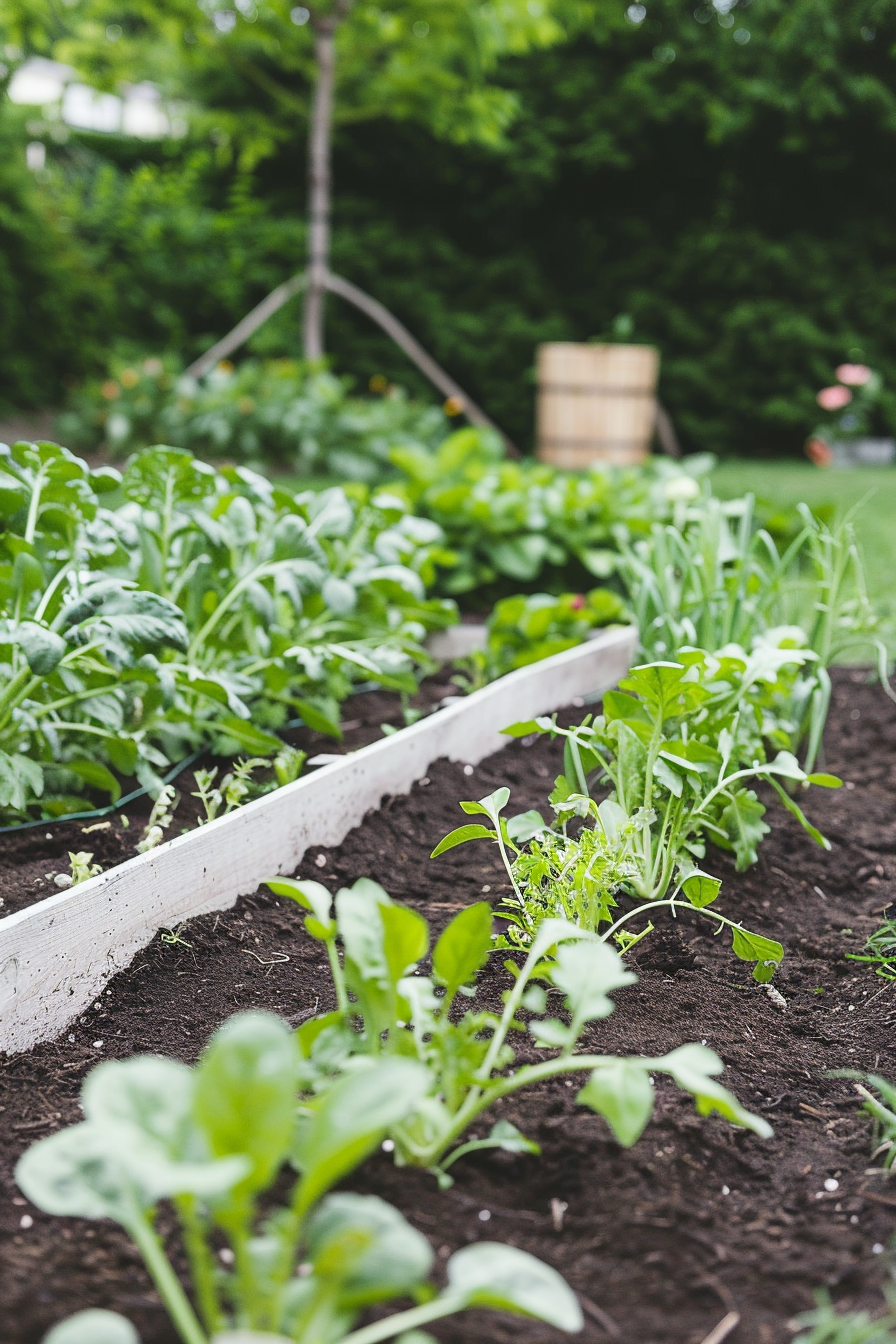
x=661, y=1240
x=30, y=858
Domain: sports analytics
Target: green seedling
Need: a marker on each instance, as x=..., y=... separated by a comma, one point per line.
x=82, y=869
x=880, y=949
x=160, y=818
x=214, y=1140
x=386, y=1009
x=577, y=875
x=826, y=1325
x=881, y=1108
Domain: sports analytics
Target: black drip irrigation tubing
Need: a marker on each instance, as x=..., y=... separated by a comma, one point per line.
x=104, y=811
x=141, y=793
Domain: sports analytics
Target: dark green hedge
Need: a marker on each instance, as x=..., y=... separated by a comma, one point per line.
x=736, y=204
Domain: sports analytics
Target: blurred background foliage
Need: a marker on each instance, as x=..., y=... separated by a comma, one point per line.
x=716, y=182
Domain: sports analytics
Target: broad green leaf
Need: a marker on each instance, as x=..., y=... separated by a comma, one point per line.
x=667, y=776
x=27, y=574
x=245, y=1093
x=506, y=1136
x=588, y=972
x=346, y=1123
x=553, y=932
x=96, y=775
x=524, y=729
x=93, y=1327
x=463, y=948
x=744, y=827
x=693, y=1067
x=43, y=648
x=618, y=705
x=123, y=753
x=487, y=1274
x=524, y=826
x=406, y=939
x=492, y=806
x=312, y=896
x=623, y=1094
x=767, y=953
x=701, y=889
x=248, y=736
x=825, y=781
x=365, y=1251
x=153, y=1094
x=76, y=1172
x=472, y=831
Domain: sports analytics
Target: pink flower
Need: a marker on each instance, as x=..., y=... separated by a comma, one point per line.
x=577, y=602
x=834, y=398
x=854, y=375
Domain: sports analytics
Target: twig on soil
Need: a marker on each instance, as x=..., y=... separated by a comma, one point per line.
x=599, y=1316
x=723, y=1329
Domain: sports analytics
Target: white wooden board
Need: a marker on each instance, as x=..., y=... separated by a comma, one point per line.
x=57, y=955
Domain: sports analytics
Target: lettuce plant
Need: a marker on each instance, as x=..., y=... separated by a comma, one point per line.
x=387, y=1009
x=213, y=1140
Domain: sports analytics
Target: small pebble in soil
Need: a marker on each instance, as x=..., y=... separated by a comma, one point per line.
x=49, y=835
x=831, y=1184
x=97, y=1045
x=877, y=1249
x=486, y=887
x=26, y=1221
x=388, y=1146
x=484, y=1215
x=226, y=1256
x=854, y=1218
x=424, y=781
x=468, y=769
x=725, y=1190
x=320, y=861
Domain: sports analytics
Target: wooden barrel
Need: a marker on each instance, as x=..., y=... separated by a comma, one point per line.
x=596, y=403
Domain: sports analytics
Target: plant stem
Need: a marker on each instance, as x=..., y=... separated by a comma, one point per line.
x=202, y=1267
x=405, y=1321
x=166, y=1281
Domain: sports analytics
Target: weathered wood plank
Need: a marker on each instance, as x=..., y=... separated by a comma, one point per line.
x=57, y=955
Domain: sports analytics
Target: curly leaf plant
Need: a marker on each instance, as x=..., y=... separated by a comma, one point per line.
x=213, y=1141
x=387, y=1009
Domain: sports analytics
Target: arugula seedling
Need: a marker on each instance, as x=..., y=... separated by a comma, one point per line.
x=385, y=1009
x=578, y=876
x=881, y=1108
x=880, y=949
x=213, y=1140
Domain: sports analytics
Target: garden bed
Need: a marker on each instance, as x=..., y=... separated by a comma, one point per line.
x=661, y=1241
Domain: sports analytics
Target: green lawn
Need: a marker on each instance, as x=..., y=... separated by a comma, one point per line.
x=788, y=483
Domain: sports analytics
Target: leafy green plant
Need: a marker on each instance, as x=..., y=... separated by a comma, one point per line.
x=578, y=875
x=683, y=741
x=213, y=1140
x=524, y=629
x=714, y=577
x=880, y=949
x=387, y=1009
x=826, y=1325
x=279, y=413
x=512, y=524
x=205, y=609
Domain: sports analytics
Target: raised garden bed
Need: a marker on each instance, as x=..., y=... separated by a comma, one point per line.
x=661, y=1241
x=57, y=954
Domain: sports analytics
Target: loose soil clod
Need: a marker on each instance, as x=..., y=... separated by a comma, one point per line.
x=695, y=1223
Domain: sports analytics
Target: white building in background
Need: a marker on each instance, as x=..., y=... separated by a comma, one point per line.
x=49, y=85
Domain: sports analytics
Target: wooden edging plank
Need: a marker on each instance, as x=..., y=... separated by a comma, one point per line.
x=56, y=955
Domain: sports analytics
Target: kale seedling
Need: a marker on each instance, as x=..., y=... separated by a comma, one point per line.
x=385, y=1009
x=213, y=1140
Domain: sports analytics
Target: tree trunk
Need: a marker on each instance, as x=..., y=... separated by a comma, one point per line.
x=319, y=136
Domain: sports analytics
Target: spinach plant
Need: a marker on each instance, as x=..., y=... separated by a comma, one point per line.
x=386, y=1009
x=213, y=1141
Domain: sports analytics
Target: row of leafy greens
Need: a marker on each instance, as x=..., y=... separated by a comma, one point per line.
x=205, y=607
